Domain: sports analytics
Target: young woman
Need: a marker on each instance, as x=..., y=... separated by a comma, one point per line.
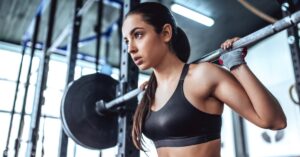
x=182, y=105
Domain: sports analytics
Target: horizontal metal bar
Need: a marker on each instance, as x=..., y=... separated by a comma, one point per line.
x=66, y=31
x=255, y=36
x=123, y=98
x=28, y=114
x=102, y=107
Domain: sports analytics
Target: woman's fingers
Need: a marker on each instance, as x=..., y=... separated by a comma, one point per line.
x=228, y=43
x=144, y=85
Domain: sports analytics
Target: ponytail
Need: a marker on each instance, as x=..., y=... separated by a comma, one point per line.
x=142, y=111
x=181, y=45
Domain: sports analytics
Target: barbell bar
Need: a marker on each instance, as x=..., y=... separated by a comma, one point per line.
x=103, y=107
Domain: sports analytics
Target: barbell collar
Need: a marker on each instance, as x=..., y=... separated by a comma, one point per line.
x=101, y=108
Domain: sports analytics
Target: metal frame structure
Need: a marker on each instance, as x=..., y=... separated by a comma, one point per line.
x=127, y=68
x=72, y=57
x=34, y=41
x=288, y=8
x=41, y=85
x=98, y=30
x=13, y=112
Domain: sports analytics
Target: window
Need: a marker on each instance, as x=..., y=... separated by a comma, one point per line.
x=50, y=125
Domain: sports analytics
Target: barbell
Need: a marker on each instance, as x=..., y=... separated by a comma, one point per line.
x=87, y=104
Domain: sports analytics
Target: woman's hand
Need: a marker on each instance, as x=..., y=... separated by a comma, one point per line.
x=228, y=43
x=232, y=58
x=144, y=85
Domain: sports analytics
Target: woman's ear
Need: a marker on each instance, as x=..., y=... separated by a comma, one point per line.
x=167, y=32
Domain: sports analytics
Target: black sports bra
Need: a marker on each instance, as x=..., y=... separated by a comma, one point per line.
x=178, y=123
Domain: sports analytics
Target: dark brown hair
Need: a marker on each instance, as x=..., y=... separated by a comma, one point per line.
x=157, y=15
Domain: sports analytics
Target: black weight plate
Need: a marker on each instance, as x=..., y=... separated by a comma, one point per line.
x=79, y=118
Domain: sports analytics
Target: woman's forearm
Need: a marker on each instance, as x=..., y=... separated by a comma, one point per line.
x=265, y=104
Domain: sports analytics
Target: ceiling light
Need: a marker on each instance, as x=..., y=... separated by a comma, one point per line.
x=193, y=15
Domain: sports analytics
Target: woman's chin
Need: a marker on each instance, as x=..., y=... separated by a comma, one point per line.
x=143, y=67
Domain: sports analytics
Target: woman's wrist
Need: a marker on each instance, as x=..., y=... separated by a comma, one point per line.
x=238, y=67
x=233, y=59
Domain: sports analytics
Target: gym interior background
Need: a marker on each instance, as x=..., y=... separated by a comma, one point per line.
x=25, y=23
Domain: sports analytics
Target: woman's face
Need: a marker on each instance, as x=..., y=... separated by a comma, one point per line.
x=145, y=46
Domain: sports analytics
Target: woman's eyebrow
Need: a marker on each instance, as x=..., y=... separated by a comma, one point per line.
x=133, y=30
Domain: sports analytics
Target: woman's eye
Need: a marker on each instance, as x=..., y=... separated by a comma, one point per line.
x=138, y=35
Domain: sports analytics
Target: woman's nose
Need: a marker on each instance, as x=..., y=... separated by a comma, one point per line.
x=131, y=47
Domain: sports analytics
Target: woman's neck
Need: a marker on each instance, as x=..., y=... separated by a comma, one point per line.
x=168, y=69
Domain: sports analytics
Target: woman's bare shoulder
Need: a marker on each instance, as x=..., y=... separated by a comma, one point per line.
x=200, y=78
x=208, y=72
x=205, y=68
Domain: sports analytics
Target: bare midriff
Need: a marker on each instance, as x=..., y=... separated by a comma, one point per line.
x=208, y=149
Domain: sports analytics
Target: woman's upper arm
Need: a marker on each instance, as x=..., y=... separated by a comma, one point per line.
x=228, y=90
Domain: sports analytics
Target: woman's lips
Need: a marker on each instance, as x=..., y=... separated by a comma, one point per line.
x=138, y=60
